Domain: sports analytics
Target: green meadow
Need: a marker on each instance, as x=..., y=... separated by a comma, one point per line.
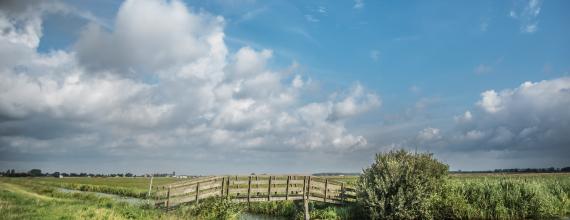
x=464, y=196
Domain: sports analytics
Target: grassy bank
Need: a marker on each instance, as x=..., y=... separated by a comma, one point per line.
x=27, y=200
x=124, y=186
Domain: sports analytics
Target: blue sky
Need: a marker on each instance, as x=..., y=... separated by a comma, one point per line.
x=460, y=79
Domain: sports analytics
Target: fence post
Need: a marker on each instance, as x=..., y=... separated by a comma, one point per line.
x=287, y=188
x=309, y=188
x=305, y=199
x=228, y=188
x=168, y=197
x=249, y=192
x=149, y=187
x=342, y=192
x=197, y=192
x=223, y=183
x=326, y=188
x=269, y=190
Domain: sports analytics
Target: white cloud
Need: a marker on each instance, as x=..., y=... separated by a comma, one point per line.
x=533, y=116
x=524, y=126
x=490, y=101
x=162, y=78
x=358, y=4
x=429, y=134
x=149, y=36
x=355, y=102
x=527, y=15
x=466, y=117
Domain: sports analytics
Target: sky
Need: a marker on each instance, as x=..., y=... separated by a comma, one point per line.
x=248, y=86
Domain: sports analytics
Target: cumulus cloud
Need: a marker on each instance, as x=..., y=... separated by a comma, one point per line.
x=355, y=102
x=161, y=78
x=429, y=134
x=532, y=118
x=525, y=126
x=149, y=36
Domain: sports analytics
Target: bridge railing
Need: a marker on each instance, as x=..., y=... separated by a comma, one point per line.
x=255, y=189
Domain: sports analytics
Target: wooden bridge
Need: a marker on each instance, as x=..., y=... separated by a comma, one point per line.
x=254, y=189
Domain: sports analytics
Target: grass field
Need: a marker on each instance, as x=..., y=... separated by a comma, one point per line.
x=474, y=196
x=124, y=186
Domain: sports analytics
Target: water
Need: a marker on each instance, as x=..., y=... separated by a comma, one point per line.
x=130, y=200
x=250, y=216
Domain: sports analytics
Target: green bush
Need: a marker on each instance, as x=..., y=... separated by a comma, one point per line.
x=400, y=185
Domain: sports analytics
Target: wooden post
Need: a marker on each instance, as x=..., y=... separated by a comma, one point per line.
x=249, y=191
x=326, y=188
x=305, y=199
x=168, y=198
x=269, y=190
x=149, y=187
x=309, y=188
x=223, y=183
x=228, y=188
x=287, y=188
x=342, y=192
x=197, y=192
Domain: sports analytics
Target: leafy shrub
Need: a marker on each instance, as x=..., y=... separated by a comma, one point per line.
x=400, y=185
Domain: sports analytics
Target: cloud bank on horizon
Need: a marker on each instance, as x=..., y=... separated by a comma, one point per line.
x=159, y=87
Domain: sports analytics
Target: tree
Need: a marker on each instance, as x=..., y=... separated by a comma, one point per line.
x=35, y=172
x=399, y=185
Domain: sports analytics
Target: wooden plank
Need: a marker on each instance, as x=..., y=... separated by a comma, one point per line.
x=193, y=181
x=210, y=185
x=318, y=199
x=296, y=181
x=181, y=191
x=239, y=182
x=259, y=182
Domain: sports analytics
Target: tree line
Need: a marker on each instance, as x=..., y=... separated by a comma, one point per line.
x=521, y=170
x=39, y=173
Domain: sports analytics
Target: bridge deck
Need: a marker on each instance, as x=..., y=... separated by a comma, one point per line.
x=255, y=189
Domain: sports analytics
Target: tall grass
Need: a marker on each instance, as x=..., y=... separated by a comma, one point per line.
x=503, y=198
